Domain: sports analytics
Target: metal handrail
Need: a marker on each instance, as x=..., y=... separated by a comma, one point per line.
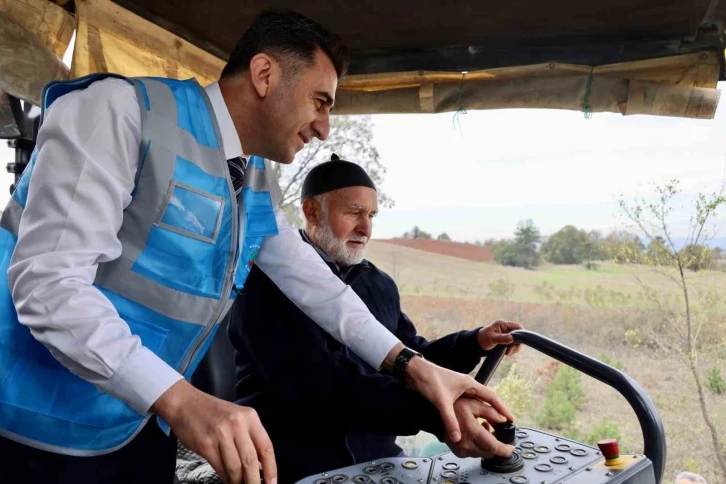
x=654, y=442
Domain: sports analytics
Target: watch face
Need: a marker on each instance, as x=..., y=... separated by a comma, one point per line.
x=411, y=353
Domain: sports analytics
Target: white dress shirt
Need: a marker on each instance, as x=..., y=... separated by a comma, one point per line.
x=82, y=181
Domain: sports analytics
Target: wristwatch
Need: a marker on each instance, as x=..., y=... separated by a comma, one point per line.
x=401, y=362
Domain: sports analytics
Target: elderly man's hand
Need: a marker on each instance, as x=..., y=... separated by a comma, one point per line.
x=476, y=440
x=497, y=333
x=443, y=387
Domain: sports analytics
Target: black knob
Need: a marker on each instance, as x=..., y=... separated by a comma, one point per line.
x=505, y=432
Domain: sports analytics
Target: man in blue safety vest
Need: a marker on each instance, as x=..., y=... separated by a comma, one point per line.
x=144, y=206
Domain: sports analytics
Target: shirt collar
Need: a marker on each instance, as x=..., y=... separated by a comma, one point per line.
x=230, y=139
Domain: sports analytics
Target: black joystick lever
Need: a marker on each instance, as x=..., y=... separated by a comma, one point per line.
x=506, y=433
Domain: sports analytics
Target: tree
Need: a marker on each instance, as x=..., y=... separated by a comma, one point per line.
x=657, y=252
x=623, y=247
x=718, y=258
x=527, y=234
x=593, y=249
x=444, y=236
x=526, y=238
x=697, y=257
x=522, y=251
x=351, y=138
x=567, y=246
x=417, y=233
x=682, y=323
x=505, y=252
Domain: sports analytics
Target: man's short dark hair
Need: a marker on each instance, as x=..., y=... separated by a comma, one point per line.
x=289, y=37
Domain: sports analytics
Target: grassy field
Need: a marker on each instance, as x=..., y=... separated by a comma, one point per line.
x=426, y=274
x=603, y=313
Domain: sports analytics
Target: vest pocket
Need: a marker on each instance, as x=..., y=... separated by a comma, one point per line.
x=191, y=212
x=188, y=246
x=40, y=384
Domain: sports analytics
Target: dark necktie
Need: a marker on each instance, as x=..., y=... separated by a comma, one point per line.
x=237, y=173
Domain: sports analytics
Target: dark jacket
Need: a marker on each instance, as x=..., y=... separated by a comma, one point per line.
x=322, y=406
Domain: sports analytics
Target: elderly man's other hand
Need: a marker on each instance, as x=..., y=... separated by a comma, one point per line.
x=443, y=387
x=497, y=333
x=476, y=439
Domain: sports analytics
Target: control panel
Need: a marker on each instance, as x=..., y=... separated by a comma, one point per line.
x=539, y=458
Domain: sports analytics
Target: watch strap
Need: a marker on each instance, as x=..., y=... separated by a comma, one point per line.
x=402, y=361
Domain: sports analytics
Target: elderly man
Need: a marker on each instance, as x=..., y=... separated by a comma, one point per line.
x=323, y=406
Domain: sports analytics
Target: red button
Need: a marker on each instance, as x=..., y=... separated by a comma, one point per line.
x=609, y=448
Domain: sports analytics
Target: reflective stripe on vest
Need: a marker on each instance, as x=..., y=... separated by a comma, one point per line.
x=182, y=252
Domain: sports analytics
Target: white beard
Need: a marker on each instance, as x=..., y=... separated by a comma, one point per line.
x=337, y=248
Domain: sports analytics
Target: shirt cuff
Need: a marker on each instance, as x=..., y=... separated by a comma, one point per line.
x=142, y=380
x=364, y=343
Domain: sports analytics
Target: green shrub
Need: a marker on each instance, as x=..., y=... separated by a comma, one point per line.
x=502, y=289
x=603, y=430
x=505, y=367
x=573, y=434
x=546, y=290
x=516, y=390
x=567, y=381
x=692, y=465
x=715, y=382
x=605, y=358
x=557, y=413
x=595, y=298
x=562, y=399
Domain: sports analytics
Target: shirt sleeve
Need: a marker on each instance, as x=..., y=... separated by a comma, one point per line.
x=297, y=269
x=82, y=180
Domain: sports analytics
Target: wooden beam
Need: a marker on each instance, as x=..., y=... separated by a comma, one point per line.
x=26, y=63
x=699, y=69
x=112, y=39
x=52, y=25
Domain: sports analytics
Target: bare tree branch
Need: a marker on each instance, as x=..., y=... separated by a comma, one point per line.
x=302, y=168
x=351, y=137
x=705, y=209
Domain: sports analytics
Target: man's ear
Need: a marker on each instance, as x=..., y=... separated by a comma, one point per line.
x=311, y=209
x=262, y=68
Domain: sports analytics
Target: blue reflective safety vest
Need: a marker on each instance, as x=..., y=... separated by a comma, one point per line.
x=185, y=245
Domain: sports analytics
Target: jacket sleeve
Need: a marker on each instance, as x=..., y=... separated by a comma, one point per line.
x=458, y=351
x=307, y=369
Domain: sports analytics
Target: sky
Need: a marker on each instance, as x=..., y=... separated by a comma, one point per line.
x=477, y=178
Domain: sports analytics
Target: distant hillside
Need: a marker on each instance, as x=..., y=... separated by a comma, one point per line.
x=715, y=242
x=424, y=273
x=460, y=250
x=712, y=243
